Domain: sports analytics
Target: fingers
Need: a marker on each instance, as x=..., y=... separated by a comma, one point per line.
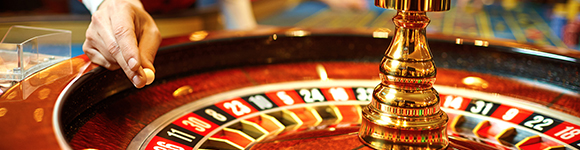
x=122, y=35
x=118, y=35
x=123, y=27
x=111, y=41
x=148, y=45
x=99, y=59
x=91, y=47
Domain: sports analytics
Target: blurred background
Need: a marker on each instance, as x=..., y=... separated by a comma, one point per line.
x=539, y=22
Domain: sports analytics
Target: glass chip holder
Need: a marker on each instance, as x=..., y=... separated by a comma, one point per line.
x=26, y=50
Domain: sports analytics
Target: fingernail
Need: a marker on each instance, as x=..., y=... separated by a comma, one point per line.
x=136, y=80
x=150, y=75
x=132, y=62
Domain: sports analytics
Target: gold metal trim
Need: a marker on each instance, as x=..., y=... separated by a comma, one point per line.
x=506, y=135
x=415, y=5
x=559, y=147
x=528, y=140
x=457, y=121
x=315, y=114
x=288, y=118
x=254, y=130
x=222, y=143
x=480, y=126
x=275, y=121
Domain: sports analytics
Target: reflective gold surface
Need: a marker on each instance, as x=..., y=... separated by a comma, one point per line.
x=182, y=91
x=404, y=112
x=414, y=5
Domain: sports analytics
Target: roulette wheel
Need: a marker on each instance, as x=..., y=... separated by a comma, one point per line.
x=292, y=88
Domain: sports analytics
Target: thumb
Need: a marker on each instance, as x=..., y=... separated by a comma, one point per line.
x=148, y=46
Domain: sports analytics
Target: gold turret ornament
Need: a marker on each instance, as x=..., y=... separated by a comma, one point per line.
x=404, y=113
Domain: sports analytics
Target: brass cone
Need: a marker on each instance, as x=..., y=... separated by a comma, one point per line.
x=405, y=112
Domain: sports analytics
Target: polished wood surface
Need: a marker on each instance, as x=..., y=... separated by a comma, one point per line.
x=27, y=119
x=117, y=121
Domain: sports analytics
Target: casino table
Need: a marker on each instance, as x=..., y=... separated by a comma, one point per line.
x=293, y=88
x=532, y=23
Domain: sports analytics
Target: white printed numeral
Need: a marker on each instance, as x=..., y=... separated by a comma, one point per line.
x=215, y=115
x=181, y=135
x=568, y=133
x=535, y=124
x=365, y=94
x=454, y=103
x=311, y=96
x=339, y=94
x=199, y=125
x=481, y=107
x=510, y=114
x=237, y=107
x=285, y=97
x=261, y=102
x=166, y=146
